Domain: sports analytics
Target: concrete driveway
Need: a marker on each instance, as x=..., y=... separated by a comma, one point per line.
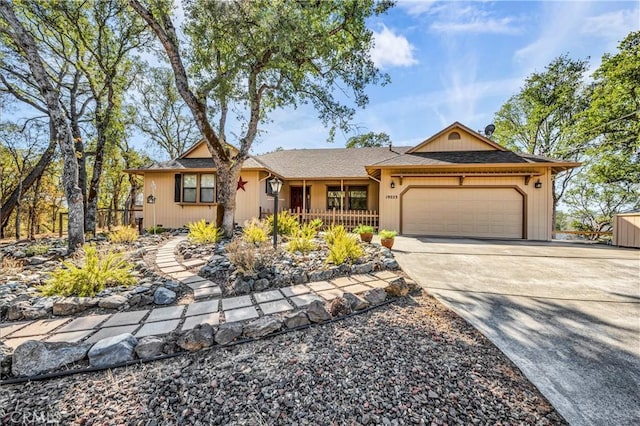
x=567, y=314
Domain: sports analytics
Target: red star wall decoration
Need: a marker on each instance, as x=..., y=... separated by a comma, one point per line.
x=241, y=184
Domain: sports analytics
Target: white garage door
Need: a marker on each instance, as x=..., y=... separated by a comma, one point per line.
x=463, y=212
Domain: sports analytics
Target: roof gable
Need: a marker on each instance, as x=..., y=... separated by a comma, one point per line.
x=456, y=138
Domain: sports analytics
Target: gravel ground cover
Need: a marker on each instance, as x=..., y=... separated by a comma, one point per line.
x=409, y=362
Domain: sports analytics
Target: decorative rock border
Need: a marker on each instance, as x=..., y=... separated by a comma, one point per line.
x=32, y=357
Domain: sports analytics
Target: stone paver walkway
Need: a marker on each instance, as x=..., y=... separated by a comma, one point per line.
x=214, y=310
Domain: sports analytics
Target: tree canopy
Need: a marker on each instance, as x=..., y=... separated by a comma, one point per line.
x=369, y=139
x=249, y=58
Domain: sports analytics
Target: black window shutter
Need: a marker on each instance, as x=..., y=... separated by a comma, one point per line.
x=177, y=188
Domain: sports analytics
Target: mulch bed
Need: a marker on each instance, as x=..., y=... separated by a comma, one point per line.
x=409, y=362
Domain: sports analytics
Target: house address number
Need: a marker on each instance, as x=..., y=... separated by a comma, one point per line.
x=392, y=197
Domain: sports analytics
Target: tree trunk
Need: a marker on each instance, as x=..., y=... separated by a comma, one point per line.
x=27, y=182
x=19, y=211
x=27, y=44
x=33, y=213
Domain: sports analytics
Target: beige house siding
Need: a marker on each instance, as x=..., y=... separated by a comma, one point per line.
x=626, y=230
x=200, y=151
x=175, y=215
x=318, y=190
x=466, y=142
x=537, y=201
x=248, y=201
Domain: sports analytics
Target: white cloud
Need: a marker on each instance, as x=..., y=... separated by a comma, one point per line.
x=477, y=25
x=612, y=25
x=391, y=50
x=417, y=7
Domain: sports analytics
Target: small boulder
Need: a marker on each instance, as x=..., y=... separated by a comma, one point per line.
x=228, y=332
x=317, y=312
x=173, y=285
x=199, y=337
x=150, y=347
x=5, y=360
x=24, y=310
x=36, y=260
x=375, y=296
x=113, y=350
x=262, y=327
x=356, y=302
x=73, y=305
x=33, y=357
x=115, y=301
x=261, y=284
x=296, y=319
x=398, y=288
x=163, y=296
x=339, y=307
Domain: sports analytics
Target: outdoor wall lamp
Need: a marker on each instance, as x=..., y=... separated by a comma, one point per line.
x=151, y=199
x=276, y=186
x=538, y=184
x=393, y=184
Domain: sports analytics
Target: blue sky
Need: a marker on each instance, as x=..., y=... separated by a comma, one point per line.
x=460, y=61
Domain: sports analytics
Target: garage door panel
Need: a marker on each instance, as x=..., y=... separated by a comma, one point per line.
x=465, y=212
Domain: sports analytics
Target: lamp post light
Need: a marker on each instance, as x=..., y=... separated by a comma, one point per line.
x=276, y=186
x=153, y=197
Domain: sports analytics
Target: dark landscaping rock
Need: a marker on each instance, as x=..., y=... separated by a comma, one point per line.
x=163, y=296
x=240, y=286
x=115, y=301
x=375, y=296
x=199, y=337
x=150, y=347
x=228, y=332
x=262, y=327
x=33, y=357
x=36, y=260
x=5, y=360
x=24, y=310
x=296, y=319
x=390, y=263
x=363, y=268
x=113, y=350
x=317, y=312
x=172, y=285
x=398, y=288
x=339, y=307
x=357, y=303
x=261, y=284
x=73, y=305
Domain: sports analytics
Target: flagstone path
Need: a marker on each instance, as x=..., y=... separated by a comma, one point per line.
x=214, y=310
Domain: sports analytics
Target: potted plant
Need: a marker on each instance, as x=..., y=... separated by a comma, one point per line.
x=387, y=238
x=365, y=231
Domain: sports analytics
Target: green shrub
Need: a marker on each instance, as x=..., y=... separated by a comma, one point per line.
x=334, y=232
x=97, y=272
x=363, y=229
x=316, y=224
x=124, y=234
x=37, y=249
x=386, y=235
x=344, y=248
x=288, y=225
x=255, y=232
x=202, y=233
x=156, y=230
x=248, y=257
x=303, y=242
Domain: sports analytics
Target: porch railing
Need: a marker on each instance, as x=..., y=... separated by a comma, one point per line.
x=347, y=218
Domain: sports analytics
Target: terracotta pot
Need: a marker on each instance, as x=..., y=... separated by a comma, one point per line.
x=366, y=237
x=388, y=243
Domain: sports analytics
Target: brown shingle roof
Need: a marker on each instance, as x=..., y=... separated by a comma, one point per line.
x=197, y=163
x=328, y=162
x=460, y=157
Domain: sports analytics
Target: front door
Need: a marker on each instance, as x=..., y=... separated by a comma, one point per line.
x=297, y=197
